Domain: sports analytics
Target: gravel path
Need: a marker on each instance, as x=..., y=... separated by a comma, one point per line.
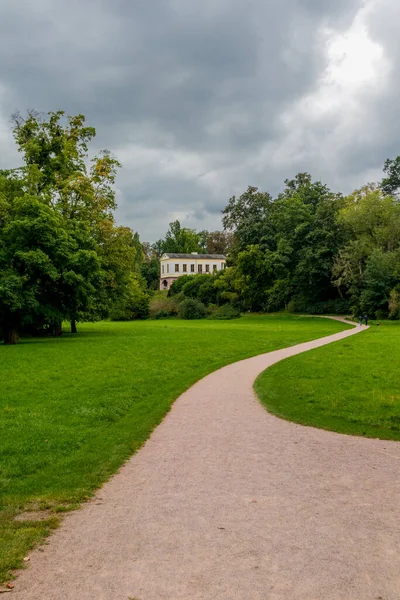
x=227, y=502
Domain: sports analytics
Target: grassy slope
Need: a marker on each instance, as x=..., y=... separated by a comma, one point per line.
x=73, y=409
x=352, y=386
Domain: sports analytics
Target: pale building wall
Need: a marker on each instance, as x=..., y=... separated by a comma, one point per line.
x=168, y=273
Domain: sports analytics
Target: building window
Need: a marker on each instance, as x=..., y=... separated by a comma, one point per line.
x=162, y=269
x=200, y=268
x=184, y=268
x=207, y=268
x=214, y=267
x=167, y=268
x=192, y=268
x=177, y=268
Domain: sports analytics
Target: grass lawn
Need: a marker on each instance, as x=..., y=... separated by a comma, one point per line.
x=74, y=408
x=351, y=386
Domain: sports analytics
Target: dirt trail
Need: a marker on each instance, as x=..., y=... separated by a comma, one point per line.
x=226, y=502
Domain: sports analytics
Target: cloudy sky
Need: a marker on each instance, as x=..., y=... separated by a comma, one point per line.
x=199, y=99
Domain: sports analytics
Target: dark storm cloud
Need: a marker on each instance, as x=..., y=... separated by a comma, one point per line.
x=188, y=94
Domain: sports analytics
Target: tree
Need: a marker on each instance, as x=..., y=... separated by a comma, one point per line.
x=390, y=184
x=248, y=217
x=382, y=275
x=41, y=265
x=121, y=258
x=285, y=248
x=61, y=254
x=150, y=269
x=371, y=222
x=179, y=239
x=219, y=242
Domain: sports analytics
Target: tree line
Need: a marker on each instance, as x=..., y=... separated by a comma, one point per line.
x=310, y=250
x=63, y=257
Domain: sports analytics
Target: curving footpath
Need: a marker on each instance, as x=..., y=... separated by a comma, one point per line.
x=227, y=502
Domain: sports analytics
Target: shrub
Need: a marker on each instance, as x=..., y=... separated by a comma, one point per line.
x=226, y=312
x=163, y=314
x=208, y=293
x=163, y=304
x=394, y=303
x=191, y=308
x=178, y=284
x=133, y=305
x=338, y=306
x=380, y=314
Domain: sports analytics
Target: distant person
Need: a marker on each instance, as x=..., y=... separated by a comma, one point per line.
x=360, y=320
x=366, y=319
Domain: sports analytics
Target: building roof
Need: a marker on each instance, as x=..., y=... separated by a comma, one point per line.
x=195, y=256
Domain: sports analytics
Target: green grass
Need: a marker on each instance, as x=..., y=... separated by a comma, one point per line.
x=74, y=409
x=351, y=386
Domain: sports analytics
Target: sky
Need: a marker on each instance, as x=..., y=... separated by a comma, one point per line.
x=199, y=100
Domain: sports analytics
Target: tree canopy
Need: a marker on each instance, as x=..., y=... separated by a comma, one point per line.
x=61, y=255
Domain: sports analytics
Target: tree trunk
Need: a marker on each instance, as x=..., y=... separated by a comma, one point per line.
x=56, y=329
x=73, y=326
x=10, y=336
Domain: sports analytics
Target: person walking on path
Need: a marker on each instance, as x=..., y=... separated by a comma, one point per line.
x=365, y=319
x=360, y=320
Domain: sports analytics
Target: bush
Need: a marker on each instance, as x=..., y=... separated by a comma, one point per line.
x=163, y=314
x=178, y=284
x=394, y=303
x=225, y=312
x=381, y=315
x=191, y=308
x=338, y=306
x=162, y=304
x=133, y=305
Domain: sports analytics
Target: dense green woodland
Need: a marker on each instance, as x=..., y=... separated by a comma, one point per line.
x=63, y=258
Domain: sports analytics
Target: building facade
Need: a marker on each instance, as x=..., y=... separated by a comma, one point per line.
x=173, y=266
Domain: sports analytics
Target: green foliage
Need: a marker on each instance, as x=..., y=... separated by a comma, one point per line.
x=44, y=266
x=394, y=303
x=163, y=314
x=248, y=217
x=179, y=283
x=160, y=304
x=179, y=240
x=337, y=306
x=201, y=287
x=210, y=289
x=219, y=242
x=225, y=312
x=191, y=308
x=382, y=271
x=134, y=304
x=61, y=255
x=150, y=272
x=391, y=183
x=313, y=250
x=367, y=266
x=284, y=247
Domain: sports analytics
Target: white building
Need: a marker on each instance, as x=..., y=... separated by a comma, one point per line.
x=176, y=265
